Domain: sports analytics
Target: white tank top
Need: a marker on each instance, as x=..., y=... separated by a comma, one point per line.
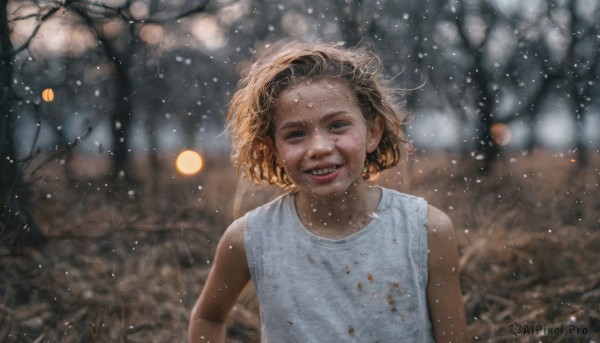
x=367, y=287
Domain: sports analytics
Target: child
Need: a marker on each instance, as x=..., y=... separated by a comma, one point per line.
x=335, y=259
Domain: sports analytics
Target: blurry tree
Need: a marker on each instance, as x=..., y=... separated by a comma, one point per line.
x=116, y=26
x=119, y=53
x=488, y=62
x=502, y=60
x=8, y=167
x=120, y=50
x=350, y=27
x=475, y=22
x=582, y=60
x=6, y=95
x=15, y=214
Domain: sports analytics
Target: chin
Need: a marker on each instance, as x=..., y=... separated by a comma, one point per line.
x=332, y=191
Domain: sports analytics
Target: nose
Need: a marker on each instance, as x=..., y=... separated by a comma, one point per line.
x=320, y=144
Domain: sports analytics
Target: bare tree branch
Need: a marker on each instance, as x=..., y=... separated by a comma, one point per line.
x=38, y=25
x=109, y=12
x=67, y=147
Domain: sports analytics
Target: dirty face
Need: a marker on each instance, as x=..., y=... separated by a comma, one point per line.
x=321, y=137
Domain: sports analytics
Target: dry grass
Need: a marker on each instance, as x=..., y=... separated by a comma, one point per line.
x=125, y=264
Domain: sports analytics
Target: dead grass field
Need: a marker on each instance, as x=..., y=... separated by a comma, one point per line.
x=125, y=264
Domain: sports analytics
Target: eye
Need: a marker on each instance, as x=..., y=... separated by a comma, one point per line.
x=294, y=134
x=338, y=125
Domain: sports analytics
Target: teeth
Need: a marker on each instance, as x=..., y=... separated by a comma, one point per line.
x=323, y=171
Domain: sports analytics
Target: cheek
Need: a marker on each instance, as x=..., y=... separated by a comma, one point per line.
x=356, y=143
x=288, y=156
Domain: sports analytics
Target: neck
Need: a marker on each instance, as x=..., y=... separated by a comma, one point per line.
x=340, y=216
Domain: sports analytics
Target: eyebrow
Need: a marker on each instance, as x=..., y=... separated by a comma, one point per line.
x=296, y=123
x=292, y=123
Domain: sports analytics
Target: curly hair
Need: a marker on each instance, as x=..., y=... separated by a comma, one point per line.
x=250, y=117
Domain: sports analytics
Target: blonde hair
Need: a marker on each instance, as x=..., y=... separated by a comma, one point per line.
x=250, y=118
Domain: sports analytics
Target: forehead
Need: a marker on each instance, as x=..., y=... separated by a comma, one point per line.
x=311, y=87
x=313, y=97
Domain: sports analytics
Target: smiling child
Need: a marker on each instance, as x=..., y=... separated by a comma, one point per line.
x=335, y=259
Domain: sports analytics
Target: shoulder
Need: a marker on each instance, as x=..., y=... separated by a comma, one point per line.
x=256, y=223
x=438, y=221
x=235, y=232
x=398, y=194
x=269, y=213
x=441, y=239
x=407, y=204
x=269, y=207
x=233, y=237
x=399, y=197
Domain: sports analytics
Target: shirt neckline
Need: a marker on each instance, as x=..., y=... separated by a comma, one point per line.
x=300, y=228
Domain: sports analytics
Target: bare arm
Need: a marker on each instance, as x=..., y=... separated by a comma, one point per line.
x=227, y=278
x=444, y=295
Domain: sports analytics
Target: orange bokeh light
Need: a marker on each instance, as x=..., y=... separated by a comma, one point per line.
x=189, y=162
x=501, y=134
x=48, y=95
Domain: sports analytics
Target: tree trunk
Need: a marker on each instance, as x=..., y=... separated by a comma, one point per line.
x=16, y=224
x=485, y=146
x=579, y=104
x=349, y=25
x=121, y=120
x=8, y=168
x=121, y=115
x=488, y=147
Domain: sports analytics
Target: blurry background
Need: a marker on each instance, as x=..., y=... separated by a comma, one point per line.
x=107, y=236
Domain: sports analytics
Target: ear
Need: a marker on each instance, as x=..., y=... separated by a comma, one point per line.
x=374, y=134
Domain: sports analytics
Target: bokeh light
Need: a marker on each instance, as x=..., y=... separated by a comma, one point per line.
x=139, y=10
x=501, y=134
x=152, y=34
x=208, y=30
x=294, y=24
x=48, y=95
x=189, y=162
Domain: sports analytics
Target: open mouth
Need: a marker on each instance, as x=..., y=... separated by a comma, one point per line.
x=323, y=171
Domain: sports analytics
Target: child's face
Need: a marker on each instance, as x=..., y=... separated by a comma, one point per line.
x=321, y=137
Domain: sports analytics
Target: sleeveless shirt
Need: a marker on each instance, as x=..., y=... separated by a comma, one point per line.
x=367, y=287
